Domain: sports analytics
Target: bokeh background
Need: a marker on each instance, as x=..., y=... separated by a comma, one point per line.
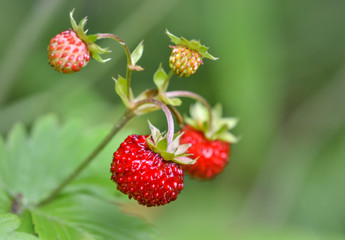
x=281, y=70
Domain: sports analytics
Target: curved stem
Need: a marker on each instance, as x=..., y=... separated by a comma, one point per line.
x=128, y=54
x=168, y=115
x=195, y=96
x=120, y=124
x=177, y=114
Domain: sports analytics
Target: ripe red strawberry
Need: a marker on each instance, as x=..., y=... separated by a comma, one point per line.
x=185, y=57
x=210, y=141
x=71, y=50
x=67, y=53
x=212, y=155
x=145, y=175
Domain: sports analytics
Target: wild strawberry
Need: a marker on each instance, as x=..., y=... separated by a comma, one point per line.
x=144, y=169
x=71, y=50
x=185, y=57
x=184, y=61
x=210, y=143
x=212, y=154
x=67, y=53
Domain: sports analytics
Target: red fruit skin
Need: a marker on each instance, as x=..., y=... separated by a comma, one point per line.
x=144, y=175
x=67, y=53
x=213, y=155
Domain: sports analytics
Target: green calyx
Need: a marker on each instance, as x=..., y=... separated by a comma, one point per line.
x=191, y=44
x=218, y=128
x=174, y=151
x=89, y=40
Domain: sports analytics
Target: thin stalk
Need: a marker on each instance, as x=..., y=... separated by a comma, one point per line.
x=194, y=96
x=177, y=114
x=119, y=125
x=128, y=54
x=168, y=115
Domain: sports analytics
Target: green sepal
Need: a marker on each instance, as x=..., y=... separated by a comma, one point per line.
x=88, y=39
x=121, y=90
x=176, y=152
x=137, y=53
x=220, y=128
x=191, y=44
x=160, y=78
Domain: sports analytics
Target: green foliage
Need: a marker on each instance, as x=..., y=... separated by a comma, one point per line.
x=137, y=53
x=33, y=165
x=121, y=89
x=9, y=223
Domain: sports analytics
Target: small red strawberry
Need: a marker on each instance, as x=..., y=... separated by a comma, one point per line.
x=210, y=144
x=67, y=53
x=185, y=57
x=143, y=169
x=71, y=50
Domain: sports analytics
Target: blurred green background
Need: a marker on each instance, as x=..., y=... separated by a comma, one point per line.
x=281, y=71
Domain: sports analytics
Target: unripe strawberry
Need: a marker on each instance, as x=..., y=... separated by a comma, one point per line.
x=184, y=61
x=67, y=53
x=185, y=57
x=71, y=50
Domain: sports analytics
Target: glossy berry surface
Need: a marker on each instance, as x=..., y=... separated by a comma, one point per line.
x=213, y=155
x=67, y=53
x=144, y=175
x=184, y=61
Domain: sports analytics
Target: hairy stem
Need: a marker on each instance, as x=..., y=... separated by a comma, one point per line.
x=119, y=125
x=168, y=115
x=128, y=54
x=194, y=96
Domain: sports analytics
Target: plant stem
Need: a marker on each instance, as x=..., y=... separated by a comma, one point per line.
x=168, y=115
x=177, y=114
x=197, y=97
x=120, y=124
x=128, y=54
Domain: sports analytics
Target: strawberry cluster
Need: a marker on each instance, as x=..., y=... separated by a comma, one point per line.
x=150, y=168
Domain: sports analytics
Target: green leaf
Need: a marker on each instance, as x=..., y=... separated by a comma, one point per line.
x=35, y=166
x=121, y=90
x=5, y=201
x=160, y=79
x=86, y=217
x=172, y=101
x=8, y=224
x=137, y=53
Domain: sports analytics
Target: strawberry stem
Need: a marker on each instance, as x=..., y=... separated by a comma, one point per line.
x=197, y=97
x=128, y=54
x=168, y=115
